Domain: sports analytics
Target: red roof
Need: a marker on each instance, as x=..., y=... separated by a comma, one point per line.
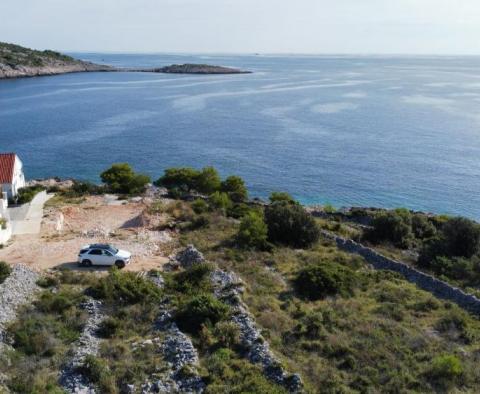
x=7, y=163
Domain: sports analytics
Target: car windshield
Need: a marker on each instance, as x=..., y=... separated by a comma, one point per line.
x=112, y=249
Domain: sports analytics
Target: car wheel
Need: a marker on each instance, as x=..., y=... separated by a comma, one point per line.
x=119, y=264
x=86, y=263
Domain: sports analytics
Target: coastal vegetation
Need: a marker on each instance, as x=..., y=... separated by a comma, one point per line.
x=326, y=315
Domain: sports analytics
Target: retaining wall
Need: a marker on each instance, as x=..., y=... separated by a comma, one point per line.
x=426, y=282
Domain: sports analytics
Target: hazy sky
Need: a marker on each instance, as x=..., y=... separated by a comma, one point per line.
x=272, y=26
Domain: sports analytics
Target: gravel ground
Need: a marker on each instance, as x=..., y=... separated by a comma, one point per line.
x=17, y=290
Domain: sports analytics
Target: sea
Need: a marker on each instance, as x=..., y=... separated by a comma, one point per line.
x=389, y=132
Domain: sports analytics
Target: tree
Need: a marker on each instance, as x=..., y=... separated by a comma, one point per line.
x=393, y=226
x=208, y=181
x=183, y=178
x=422, y=227
x=282, y=196
x=290, y=225
x=253, y=231
x=462, y=237
x=120, y=178
x=234, y=186
x=219, y=200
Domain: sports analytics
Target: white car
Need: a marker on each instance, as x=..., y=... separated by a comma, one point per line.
x=103, y=254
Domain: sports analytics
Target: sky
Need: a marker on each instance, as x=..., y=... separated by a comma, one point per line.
x=245, y=26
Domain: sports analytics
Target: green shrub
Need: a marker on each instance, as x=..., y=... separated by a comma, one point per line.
x=26, y=194
x=184, y=179
x=97, y=371
x=35, y=336
x=48, y=281
x=127, y=288
x=80, y=189
x=199, y=206
x=326, y=279
x=422, y=227
x=253, y=232
x=193, y=280
x=392, y=226
x=282, y=197
x=227, y=334
x=199, y=310
x=120, y=178
x=447, y=367
x=462, y=237
x=109, y=327
x=208, y=181
x=55, y=303
x=5, y=271
x=290, y=224
x=238, y=210
x=220, y=201
x=235, y=187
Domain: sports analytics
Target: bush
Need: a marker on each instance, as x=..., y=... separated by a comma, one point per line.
x=126, y=288
x=447, y=367
x=5, y=271
x=234, y=186
x=392, y=226
x=282, y=197
x=448, y=252
x=96, y=370
x=109, y=327
x=422, y=227
x=220, y=201
x=34, y=337
x=120, y=178
x=80, y=189
x=290, y=224
x=183, y=179
x=26, y=194
x=326, y=279
x=208, y=181
x=199, y=310
x=253, y=232
x=462, y=237
x=194, y=279
x=227, y=334
x=199, y=206
x=238, y=210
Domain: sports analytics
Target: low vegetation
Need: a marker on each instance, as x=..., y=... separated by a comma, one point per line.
x=5, y=271
x=327, y=315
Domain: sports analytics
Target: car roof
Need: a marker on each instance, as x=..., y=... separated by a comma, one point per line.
x=99, y=246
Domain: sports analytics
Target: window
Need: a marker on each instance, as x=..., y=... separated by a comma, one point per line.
x=107, y=253
x=96, y=252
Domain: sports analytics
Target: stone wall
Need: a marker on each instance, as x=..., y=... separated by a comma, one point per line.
x=426, y=282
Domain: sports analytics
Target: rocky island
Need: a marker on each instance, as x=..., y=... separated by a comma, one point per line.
x=198, y=69
x=17, y=61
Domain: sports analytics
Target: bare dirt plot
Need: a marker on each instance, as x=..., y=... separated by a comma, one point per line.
x=66, y=228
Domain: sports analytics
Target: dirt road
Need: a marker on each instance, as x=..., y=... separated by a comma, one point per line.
x=65, y=228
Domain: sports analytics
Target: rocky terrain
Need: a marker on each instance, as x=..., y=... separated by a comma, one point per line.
x=17, y=61
x=71, y=379
x=17, y=289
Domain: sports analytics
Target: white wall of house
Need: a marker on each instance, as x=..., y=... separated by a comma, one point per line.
x=18, y=180
x=5, y=234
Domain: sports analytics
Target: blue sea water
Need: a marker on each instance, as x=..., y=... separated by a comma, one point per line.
x=369, y=131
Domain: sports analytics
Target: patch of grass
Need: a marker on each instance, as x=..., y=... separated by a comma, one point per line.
x=5, y=271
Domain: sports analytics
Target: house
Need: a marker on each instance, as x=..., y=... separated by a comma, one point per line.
x=11, y=175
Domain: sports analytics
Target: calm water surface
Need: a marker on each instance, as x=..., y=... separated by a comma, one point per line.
x=348, y=131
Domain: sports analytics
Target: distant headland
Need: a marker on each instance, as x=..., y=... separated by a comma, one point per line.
x=17, y=62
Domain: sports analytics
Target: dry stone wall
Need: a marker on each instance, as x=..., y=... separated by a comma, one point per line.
x=425, y=281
